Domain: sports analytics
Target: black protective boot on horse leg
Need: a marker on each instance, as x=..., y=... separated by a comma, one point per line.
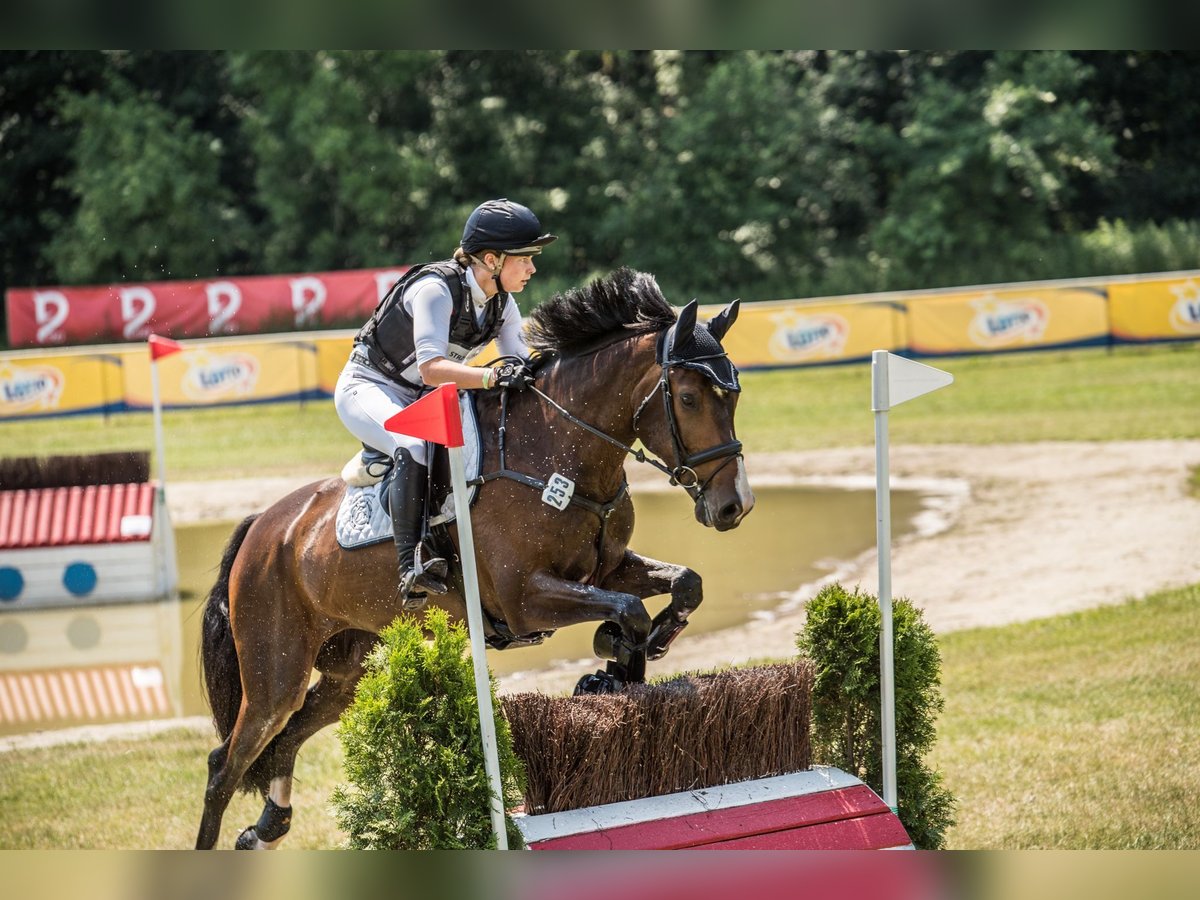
x=406, y=503
x=626, y=663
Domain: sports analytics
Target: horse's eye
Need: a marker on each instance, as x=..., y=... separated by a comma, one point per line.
x=689, y=400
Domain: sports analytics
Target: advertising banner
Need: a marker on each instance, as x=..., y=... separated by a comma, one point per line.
x=332, y=353
x=32, y=386
x=220, y=372
x=1156, y=310
x=995, y=320
x=47, y=317
x=790, y=334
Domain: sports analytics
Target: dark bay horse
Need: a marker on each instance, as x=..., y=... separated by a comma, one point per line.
x=289, y=600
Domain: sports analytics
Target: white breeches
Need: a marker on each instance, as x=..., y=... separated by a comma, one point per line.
x=365, y=399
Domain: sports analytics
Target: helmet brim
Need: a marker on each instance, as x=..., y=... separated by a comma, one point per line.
x=527, y=248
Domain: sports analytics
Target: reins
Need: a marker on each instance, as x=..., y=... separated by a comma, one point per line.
x=684, y=471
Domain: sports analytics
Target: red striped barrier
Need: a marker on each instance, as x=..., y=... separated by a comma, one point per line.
x=821, y=809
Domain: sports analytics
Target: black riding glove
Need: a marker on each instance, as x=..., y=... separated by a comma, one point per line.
x=513, y=375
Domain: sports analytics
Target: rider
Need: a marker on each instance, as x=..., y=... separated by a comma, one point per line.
x=434, y=319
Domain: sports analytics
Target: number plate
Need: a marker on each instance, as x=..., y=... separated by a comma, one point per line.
x=559, y=489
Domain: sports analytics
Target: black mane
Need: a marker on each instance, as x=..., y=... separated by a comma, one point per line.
x=622, y=304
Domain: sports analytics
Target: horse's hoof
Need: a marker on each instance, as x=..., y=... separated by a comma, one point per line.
x=247, y=840
x=597, y=683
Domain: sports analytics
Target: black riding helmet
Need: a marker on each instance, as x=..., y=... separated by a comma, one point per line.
x=505, y=226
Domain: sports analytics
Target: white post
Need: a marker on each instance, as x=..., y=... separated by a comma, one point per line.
x=894, y=380
x=883, y=536
x=483, y=686
x=161, y=513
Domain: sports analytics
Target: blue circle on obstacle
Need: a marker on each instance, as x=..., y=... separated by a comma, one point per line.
x=80, y=578
x=12, y=582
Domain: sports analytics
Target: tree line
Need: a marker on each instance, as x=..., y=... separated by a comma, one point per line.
x=750, y=173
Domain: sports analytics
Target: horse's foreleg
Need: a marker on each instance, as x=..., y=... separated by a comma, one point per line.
x=647, y=577
x=551, y=602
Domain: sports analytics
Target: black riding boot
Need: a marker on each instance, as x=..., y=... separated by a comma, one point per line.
x=406, y=499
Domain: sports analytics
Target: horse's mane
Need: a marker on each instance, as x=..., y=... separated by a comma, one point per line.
x=622, y=304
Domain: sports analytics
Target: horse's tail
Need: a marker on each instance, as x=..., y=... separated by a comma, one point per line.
x=222, y=678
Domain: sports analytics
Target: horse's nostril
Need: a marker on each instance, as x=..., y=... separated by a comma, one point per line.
x=729, y=512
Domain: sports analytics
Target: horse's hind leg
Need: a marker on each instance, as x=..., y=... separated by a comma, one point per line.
x=340, y=663
x=645, y=577
x=265, y=710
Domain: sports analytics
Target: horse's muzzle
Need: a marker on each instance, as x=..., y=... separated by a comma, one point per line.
x=727, y=516
x=722, y=510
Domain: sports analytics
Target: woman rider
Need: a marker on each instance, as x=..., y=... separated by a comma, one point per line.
x=434, y=319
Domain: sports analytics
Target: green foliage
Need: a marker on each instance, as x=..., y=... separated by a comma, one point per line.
x=841, y=637
x=412, y=748
x=761, y=174
x=151, y=201
x=987, y=167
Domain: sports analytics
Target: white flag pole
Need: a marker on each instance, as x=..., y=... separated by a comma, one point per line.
x=894, y=380
x=160, y=496
x=883, y=536
x=483, y=684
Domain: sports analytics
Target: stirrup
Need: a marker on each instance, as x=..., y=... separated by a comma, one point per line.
x=427, y=576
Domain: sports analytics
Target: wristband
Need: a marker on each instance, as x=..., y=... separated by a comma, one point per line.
x=488, y=374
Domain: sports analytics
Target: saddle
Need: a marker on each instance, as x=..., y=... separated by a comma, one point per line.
x=363, y=518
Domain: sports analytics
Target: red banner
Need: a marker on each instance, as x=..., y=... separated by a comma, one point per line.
x=43, y=317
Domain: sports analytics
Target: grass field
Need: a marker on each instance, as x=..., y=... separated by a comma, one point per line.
x=1127, y=393
x=1072, y=732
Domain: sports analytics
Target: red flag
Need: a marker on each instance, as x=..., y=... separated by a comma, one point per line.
x=161, y=346
x=435, y=417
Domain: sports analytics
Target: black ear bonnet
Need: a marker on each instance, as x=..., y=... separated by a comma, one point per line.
x=691, y=346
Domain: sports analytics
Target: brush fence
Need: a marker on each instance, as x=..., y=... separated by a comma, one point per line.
x=820, y=809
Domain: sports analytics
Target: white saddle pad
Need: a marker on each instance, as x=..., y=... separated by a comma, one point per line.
x=361, y=518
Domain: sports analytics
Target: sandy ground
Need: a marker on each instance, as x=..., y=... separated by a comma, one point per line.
x=1013, y=532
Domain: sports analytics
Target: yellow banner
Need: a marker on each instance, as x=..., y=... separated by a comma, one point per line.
x=59, y=384
x=789, y=334
x=1156, y=310
x=332, y=353
x=224, y=372
x=986, y=321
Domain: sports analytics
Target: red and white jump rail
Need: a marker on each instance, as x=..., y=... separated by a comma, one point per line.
x=71, y=546
x=80, y=638
x=820, y=809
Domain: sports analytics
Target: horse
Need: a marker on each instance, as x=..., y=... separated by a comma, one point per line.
x=616, y=366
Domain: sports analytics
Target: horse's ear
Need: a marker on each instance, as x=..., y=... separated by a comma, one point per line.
x=686, y=323
x=720, y=324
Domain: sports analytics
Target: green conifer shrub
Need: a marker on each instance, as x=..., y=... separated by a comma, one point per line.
x=841, y=638
x=412, y=748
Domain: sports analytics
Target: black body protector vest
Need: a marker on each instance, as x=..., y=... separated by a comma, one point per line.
x=388, y=338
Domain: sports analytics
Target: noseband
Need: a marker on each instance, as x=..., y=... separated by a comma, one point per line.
x=683, y=472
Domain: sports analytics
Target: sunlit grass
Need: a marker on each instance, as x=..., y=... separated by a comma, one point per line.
x=148, y=793
x=1077, y=731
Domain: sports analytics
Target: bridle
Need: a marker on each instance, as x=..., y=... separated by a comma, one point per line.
x=683, y=472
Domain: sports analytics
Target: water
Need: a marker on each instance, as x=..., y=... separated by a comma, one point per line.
x=794, y=536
